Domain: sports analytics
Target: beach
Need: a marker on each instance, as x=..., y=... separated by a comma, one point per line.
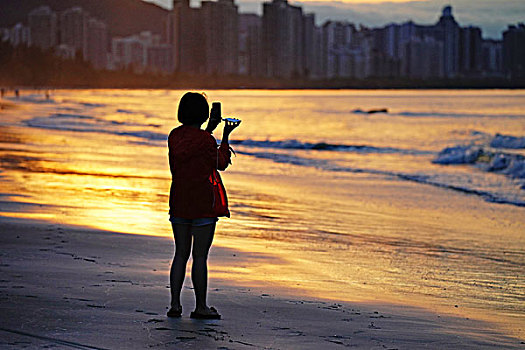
x=400, y=230
x=71, y=287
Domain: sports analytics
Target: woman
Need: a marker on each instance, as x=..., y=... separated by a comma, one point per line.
x=193, y=157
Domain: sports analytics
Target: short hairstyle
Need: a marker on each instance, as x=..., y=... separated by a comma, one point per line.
x=193, y=108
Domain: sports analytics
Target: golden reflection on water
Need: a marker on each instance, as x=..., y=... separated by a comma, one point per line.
x=83, y=185
x=330, y=235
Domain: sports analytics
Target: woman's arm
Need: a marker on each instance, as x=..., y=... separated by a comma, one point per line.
x=229, y=126
x=224, y=153
x=224, y=156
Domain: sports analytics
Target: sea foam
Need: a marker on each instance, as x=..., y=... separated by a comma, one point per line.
x=490, y=159
x=507, y=141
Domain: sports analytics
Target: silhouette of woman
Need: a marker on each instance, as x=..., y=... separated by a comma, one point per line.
x=193, y=158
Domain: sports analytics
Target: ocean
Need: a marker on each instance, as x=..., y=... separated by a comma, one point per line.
x=421, y=204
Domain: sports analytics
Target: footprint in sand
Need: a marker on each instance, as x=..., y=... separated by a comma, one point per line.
x=372, y=326
x=154, y=320
x=185, y=338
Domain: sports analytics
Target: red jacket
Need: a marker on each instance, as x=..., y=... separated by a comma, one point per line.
x=193, y=155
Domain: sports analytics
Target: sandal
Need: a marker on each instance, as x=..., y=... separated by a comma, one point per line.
x=210, y=314
x=175, y=312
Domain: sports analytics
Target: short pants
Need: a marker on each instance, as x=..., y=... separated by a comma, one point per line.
x=193, y=222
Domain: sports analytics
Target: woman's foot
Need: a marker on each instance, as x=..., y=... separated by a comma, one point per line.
x=209, y=313
x=175, y=311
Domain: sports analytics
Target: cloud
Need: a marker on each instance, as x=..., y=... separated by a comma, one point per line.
x=492, y=16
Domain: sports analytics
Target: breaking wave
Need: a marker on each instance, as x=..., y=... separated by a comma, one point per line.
x=507, y=141
x=512, y=165
x=416, y=114
x=437, y=180
x=323, y=146
x=489, y=158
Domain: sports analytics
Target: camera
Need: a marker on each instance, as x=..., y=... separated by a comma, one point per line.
x=215, y=110
x=216, y=113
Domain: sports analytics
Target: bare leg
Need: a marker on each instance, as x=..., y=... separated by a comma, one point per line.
x=202, y=239
x=182, y=234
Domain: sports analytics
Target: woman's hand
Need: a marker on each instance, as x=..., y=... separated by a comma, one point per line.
x=212, y=123
x=229, y=126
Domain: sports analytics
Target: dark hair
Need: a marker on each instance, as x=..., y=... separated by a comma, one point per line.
x=193, y=109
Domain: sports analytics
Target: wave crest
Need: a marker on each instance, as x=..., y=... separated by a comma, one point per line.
x=323, y=146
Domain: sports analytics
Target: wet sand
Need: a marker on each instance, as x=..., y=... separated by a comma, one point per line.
x=71, y=287
x=7, y=105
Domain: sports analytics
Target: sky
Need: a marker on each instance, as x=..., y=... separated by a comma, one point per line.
x=493, y=16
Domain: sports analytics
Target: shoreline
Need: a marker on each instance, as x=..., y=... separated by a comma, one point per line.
x=279, y=278
x=77, y=286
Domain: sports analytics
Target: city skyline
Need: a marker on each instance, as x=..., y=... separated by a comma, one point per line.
x=284, y=43
x=492, y=16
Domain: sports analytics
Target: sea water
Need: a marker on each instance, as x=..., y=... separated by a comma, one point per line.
x=422, y=202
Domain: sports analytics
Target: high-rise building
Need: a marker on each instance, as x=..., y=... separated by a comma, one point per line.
x=407, y=31
x=171, y=36
x=319, y=71
x=514, y=51
x=250, y=45
x=384, y=56
x=391, y=40
x=187, y=38
x=142, y=53
x=86, y=36
x=470, y=60
x=282, y=39
x=411, y=50
x=424, y=58
x=404, y=33
x=310, y=55
x=160, y=58
x=297, y=32
x=96, y=51
x=338, y=40
x=364, y=55
x=221, y=41
x=43, y=27
x=129, y=52
x=74, y=29
x=19, y=35
x=492, y=58
x=449, y=35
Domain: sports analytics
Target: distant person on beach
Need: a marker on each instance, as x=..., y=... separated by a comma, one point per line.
x=197, y=197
